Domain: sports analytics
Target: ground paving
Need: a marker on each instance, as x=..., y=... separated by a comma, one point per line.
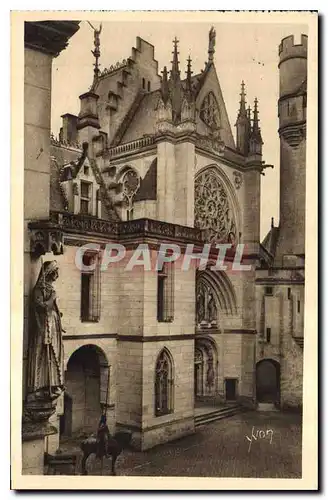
x=221, y=449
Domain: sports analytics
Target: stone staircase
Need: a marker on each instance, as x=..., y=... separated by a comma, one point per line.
x=217, y=414
x=299, y=341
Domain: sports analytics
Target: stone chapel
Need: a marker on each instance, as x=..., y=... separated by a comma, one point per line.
x=152, y=158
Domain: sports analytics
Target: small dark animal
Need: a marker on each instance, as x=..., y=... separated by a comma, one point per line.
x=113, y=448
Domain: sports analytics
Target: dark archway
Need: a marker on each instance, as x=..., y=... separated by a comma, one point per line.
x=268, y=381
x=85, y=378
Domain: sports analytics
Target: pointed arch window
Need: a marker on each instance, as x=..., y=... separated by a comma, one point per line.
x=163, y=384
x=165, y=293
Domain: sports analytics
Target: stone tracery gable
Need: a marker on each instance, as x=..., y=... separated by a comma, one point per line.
x=213, y=212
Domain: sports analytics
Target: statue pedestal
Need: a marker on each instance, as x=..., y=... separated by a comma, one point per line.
x=35, y=427
x=33, y=447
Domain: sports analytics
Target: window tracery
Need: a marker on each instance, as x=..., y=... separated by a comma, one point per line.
x=130, y=182
x=209, y=112
x=213, y=212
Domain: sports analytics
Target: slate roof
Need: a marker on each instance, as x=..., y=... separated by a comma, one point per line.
x=148, y=185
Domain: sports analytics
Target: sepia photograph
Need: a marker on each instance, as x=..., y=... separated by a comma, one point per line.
x=164, y=198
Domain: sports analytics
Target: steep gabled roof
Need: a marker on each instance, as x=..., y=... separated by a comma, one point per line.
x=270, y=241
x=144, y=119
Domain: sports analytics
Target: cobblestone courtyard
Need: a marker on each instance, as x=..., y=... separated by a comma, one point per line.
x=221, y=449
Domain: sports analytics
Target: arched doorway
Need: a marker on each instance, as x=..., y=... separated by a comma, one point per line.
x=205, y=368
x=86, y=379
x=268, y=381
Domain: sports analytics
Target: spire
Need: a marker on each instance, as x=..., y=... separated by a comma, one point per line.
x=243, y=123
x=249, y=115
x=188, y=73
x=96, y=54
x=255, y=137
x=255, y=117
x=242, y=102
x=175, y=72
x=256, y=131
x=175, y=84
x=211, y=45
x=165, y=86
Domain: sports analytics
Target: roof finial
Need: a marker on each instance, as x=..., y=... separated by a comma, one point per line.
x=211, y=44
x=175, y=72
x=272, y=222
x=96, y=53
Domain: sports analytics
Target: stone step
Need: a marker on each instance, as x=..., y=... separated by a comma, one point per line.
x=266, y=407
x=217, y=414
x=299, y=341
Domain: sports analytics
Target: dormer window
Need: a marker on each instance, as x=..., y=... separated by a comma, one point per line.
x=86, y=170
x=85, y=199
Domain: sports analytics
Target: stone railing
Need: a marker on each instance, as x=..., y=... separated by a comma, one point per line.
x=113, y=67
x=72, y=145
x=83, y=223
x=117, y=230
x=130, y=147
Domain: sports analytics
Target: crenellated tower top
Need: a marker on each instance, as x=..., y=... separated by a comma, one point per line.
x=289, y=50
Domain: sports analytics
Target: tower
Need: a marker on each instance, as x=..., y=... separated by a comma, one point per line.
x=292, y=132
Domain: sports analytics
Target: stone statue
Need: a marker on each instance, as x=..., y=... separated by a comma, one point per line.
x=200, y=304
x=211, y=308
x=96, y=53
x=45, y=350
x=211, y=44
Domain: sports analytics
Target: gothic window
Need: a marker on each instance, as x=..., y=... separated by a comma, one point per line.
x=165, y=293
x=163, y=384
x=209, y=111
x=90, y=288
x=213, y=212
x=131, y=183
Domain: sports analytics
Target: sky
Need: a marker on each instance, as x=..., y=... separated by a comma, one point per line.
x=246, y=52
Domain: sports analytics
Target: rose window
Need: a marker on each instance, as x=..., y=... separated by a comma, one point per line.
x=212, y=208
